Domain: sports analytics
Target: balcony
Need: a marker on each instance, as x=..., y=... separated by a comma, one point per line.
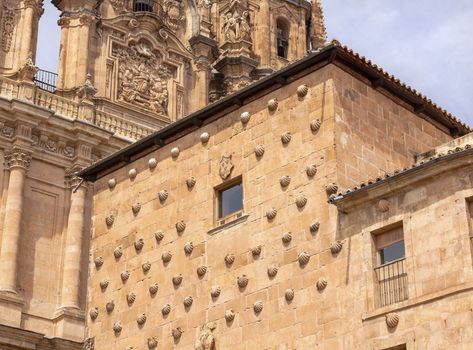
x=151, y=6
x=46, y=80
x=392, y=282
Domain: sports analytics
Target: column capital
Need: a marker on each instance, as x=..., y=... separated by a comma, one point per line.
x=17, y=158
x=36, y=5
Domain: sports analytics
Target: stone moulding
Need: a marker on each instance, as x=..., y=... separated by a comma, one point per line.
x=130, y=298
x=188, y=248
x=180, y=226
x=152, y=163
x=125, y=275
x=159, y=235
x=271, y=213
x=392, y=320
x=311, y=170
x=289, y=294
x=229, y=259
x=98, y=262
x=141, y=319
x=284, y=181
x=132, y=173
x=201, y=270
x=259, y=151
x=166, y=309
x=304, y=258
x=163, y=195
x=215, y=291
x=229, y=315
x=94, y=313
x=118, y=252
x=177, y=280
x=139, y=244
x=273, y=104
x=188, y=301
x=110, y=306
x=166, y=257
x=302, y=90
x=321, y=284
x=242, y=281
x=286, y=137
x=245, y=117
x=258, y=306
x=153, y=289
x=336, y=247
x=315, y=125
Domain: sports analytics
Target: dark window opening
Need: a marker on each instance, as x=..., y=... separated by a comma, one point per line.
x=143, y=5
x=282, y=40
x=230, y=200
x=392, y=252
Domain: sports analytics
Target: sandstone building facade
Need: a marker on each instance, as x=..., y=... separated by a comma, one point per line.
x=244, y=224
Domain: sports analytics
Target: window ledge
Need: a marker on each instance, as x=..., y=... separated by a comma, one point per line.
x=228, y=224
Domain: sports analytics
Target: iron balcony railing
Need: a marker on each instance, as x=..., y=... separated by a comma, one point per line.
x=152, y=6
x=392, y=282
x=46, y=80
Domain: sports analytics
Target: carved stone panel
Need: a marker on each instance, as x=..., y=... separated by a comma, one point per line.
x=8, y=26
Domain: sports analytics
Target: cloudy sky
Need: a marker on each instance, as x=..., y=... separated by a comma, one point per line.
x=426, y=43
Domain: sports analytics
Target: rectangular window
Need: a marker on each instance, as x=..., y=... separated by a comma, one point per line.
x=230, y=199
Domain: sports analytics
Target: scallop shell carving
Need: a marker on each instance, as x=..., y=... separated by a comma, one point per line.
x=302, y=90
x=166, y=257
x=110, y=306
x=132, y=174
x=286, y=137
x=321, y=284
x=271, y=213
x=315, y=125
x=201, y=270
x=141, y=319
x=166, y=309
x=229, y=259
x=383, y=205
x=256, y=251
x=152, y=163
x=118, y=252
x=272, y=271
x=153, y=289
x=117, y=327
x=188, y=248
x=289, y=294
x=177, y=280
x=331, y=188
x=303, y=258
x=159, y=235
x=392, y=320
x=109, y=220
x=130, y=298
x=125, y=275
x=258, y=306
x=152, y=343
x=259, y=150
x=146, y=266
x=286, y=238
x=229, y=315
x=190, y=182
x=204, y=137
x=94, y=313
x=301, y=201
x=104, y=283
x=163, y=195
x=273, y=104
x=112, y=183
x=176, y=333
x=215, y=291
x=314, y=227
x=311, y=170
x=242, y=281
x=135, y=208
x=284, y=181
x=139, y=244
x=245, y=117
x=188, y=301
x=180, y=226
x=175, y=152
x=98, y=261
x=336, y=247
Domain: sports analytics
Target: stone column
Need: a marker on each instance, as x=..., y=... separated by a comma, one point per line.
x=202, y=78
x=73, y=248
x=263, y=41
x=17, y=161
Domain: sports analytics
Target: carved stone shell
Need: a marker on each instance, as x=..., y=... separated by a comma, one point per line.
x=271, y=213
x=139, y=244
x=159, y=235
x=132, y=173
x=286, y=137
x=229, y=259
x=311, y=170
x=272, y=271
x=98, y=261
x=94, y=313
x=242, y=281
x=109, y=220
x=273, y=104
x=104, y=283
x=130, y=298
x=188, y=248
x=152, y=343
x=135, y=208
x=163, y=195
x=175, y=152
x=110, y=306
x=152, y=163
x=146, y=266
x=314, y=227
x=153, y=289
x=302, y=90
x=383, y=205
x=204, y=137
x=315, y=125
x=117, y=327
x=141, y=319
x=289, y=294
x=177, y=280
x=201, y=270
x=331, y=188
x=188, y=300
x=176, y=333
x=301, y=201
x=112, y=183
x=215, y=291
x=166, y=257
x=256, y=251
x=321, y=284
x=118, y=252
x=392, y=320
x=286, y=238
x=303, y=258
x=125, y=275
x=190, y=182
x=284, y=181
x=180, y=226
x=245, y=117
x=166, y=309
x=336, y=247
x=258, y=307
x=229, y=315
x=259, y=150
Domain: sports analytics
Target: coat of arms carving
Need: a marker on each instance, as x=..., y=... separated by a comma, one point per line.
x=226, y=167
x=174, y=15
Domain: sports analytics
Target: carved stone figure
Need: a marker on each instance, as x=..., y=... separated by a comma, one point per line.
x=174, y=13
x=118, y=5
x=236, y=23
x=205, y=339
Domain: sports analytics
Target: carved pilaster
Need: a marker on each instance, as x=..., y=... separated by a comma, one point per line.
x=17, y=158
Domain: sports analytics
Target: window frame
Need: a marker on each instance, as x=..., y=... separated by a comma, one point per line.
x=218, y=200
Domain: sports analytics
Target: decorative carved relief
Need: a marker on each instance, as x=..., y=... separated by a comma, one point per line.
x=188, y=248
x=176, y=333
x=258, y=307
x=110, y=306
x=205, y=339
x=132, y=174
x=6, y=130
x=159, y=235
x=153, y=289
x=146, y=266
x=180, y=226
x=242, y=281
x=188, y=301
x=89, y=344
x=336, y=247
x=286, y=137
x=118, y=252
x=321, y=284
x=311, y=170
x=166, y=309
x=236, y=23
x=104, y=284
x=173, y=14
x=245, y=117
x=272, y=271
x=383, y=206
x=118, y=5
x=314, y=227
x=98, y=262
x=215, y=291
x=289, y=294
x=315, y=125
x=135, y=208
x=229, y=315
x=130, y=298
x=17, y=158
x=139, y=244
x=166, y=257
x=175, y=151
x=301, y=201
x=256, y=251
x=201, y=270
x=302, y=90
x=286, y=238
x=163, y=195
x=304, y=258
x=204, y=137
x=117, y=327
x=273, y=104
x=392, y=320
x=190, y=182
x=142, y=78
x=259, y=150
x=284, y=181
x=152, y=163
x=94, y=313
x=112, y=183
x=229, y=259
x=331, y=188
x=141, y=319
x=226, y=167
x=152, y=343
x=8, y=27
x=177, y=280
